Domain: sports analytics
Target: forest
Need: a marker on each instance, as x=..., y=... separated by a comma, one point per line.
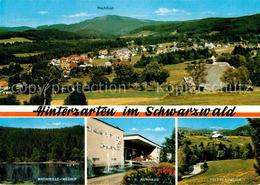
x=190, y=154
x=240, y=131
x=41, y=145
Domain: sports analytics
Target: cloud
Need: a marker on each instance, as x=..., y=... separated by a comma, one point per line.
x=134, y=129
x=216, y=128
x=159, y=129
x=173, y=11
x=209, y=13
x=56, y=123
x=156, y=129
x=43, y=12
x=80, y=14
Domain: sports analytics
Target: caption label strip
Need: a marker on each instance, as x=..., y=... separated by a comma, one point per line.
x=130, y=111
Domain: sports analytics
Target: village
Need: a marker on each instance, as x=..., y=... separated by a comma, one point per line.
x=106, y=57
x=174, y=60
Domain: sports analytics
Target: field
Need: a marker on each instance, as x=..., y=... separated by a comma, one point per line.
x=249, y=98
x=234, y=140
x=222, y=50
x=139, y=34
x=226, y=172
x=177, y=72
x=27, y=54
x=134, y=97
x=13, y=40
x=106, y=98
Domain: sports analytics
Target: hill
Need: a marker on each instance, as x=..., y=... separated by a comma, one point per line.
x=114, y=25
x=208, y=26
x=240, y=131
x=42, y=35
x=226, y=172
x=13, y=29
x=231, y=140
x=105, y=25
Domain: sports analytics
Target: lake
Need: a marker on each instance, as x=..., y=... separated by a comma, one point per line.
x=42, y=173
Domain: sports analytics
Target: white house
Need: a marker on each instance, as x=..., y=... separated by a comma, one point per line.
x=108, y=64
x=216, y=135
x=209, y=45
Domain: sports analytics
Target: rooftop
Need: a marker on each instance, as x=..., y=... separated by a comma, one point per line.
x=141, y=138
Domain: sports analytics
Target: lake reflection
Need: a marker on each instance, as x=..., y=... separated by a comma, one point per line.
x=43, y=173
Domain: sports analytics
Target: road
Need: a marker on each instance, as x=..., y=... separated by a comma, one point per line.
x=196, y=170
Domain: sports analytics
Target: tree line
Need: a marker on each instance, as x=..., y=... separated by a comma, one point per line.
x=175, y=57
x=190, y=154
x=40, y=145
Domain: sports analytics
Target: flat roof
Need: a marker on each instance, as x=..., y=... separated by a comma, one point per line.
x=108, y=124
x=140, y=137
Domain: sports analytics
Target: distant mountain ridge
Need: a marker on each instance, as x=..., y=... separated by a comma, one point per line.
x=19, y=28
x=240, y=131
x=114, y=25
x=110, y=24
x=214, y=25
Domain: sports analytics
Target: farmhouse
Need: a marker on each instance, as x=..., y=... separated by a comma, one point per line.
x=3, y=84
x=103, y=52
x=107, y=145
x=209, y=45
x=216, y=135
x=188, y=84
x=108, y=64
x=214, y=73
x=4, y=88
x=123, y=54
x=71, y=62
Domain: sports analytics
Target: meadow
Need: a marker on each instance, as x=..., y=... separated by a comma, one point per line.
x=226, y=172
x=234, y=140
x=136, y=97
x=14, y=39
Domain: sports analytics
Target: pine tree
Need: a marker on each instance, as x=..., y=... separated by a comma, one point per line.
x=255, y=134
x=77, y=97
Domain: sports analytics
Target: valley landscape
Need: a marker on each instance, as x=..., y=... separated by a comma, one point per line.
x=122, y=60
x=215, y=155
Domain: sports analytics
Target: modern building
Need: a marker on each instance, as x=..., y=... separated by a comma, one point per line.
x=105, y=143
x=108, y=146
x=139, y=148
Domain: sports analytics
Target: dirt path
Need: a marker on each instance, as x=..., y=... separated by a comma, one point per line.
x=196, y=170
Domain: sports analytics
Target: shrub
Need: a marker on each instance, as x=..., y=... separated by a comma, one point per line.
x=164, y=173
x=205, y=165
x=9, y=100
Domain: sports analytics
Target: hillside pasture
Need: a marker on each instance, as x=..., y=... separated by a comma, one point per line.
x=177, y=72
x=27, y=54
x=13, y=40
x=231, y=140
x=226, y=172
